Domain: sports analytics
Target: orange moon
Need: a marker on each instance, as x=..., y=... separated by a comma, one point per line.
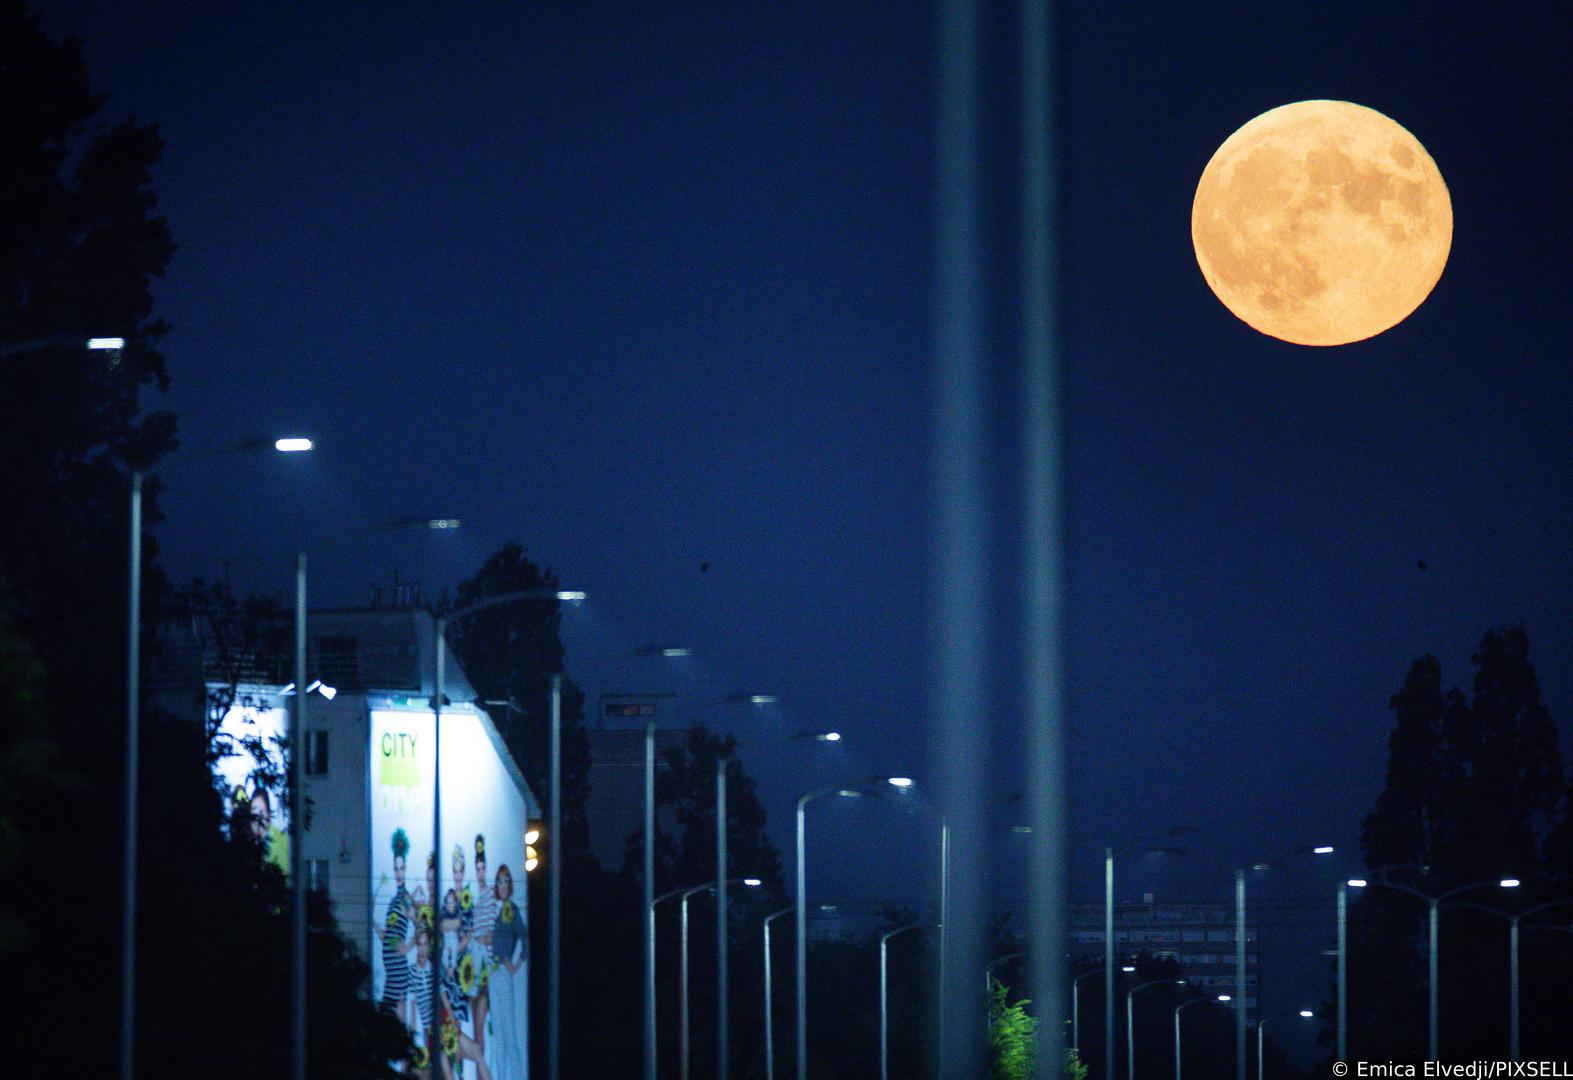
x=1322, y=223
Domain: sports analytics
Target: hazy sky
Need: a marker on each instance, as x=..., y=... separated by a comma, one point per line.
x=648, y=286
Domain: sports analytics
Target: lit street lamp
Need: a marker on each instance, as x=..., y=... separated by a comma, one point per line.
x=770, y=1031
x=1261, y=1065
x=802, y=921
x=682, y=1008
x=884, y=997
x=1130, y=1021
x=1108, y=927
x=1222, y=998
x=1433, y=905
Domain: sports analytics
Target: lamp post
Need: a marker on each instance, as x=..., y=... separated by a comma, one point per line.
x=555, y=870
x=802, y=922
x=770, y=1031
x=884, y=997
x=1130, y=1021
x=132, y=781
x=682, y=999
x=1512, y=939
x=1433, y=906
x=988, y=982
x=1261, y=1066
x=1076, y=1012
x=1108, y=927
x=1224, y=998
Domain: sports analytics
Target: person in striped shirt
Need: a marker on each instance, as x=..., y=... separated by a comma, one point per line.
x=394, y=933
x=485, y=914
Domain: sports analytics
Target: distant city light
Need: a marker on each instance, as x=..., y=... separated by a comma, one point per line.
x=106, y=343
x=1325, y=849
x=762, y=699
x=1307, y=1013
x=1357, y=883
x=570, y=594
x=752, y=882
x=292, y=445
x=900, y=781
x=1509, y=883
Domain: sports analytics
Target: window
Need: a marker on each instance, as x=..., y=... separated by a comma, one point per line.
x=317, y=875
x=316, y=753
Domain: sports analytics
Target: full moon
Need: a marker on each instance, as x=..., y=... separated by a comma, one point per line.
x=1322, y=223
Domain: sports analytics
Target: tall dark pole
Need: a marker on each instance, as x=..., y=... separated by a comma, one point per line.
x=801, y=947
x=1343, y=972
x=649, y=900
x=555, y=887
x=128, y=927
x=1512, y=944
x=434, y=1039
x=770, y=1030
x=297, y=814
x=722, y=1034
x=1239, y=976
x=1108, y=961
x=1432, y=904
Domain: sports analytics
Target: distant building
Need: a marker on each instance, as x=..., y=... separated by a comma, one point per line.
x=1198, y=937
x=370, y=765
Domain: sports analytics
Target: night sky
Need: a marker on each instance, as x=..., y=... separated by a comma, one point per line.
x=649, y=286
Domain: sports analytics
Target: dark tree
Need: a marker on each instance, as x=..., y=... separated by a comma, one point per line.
x=1475, y=792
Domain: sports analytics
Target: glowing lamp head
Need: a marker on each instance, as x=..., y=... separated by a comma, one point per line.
x=292, y=445
x=1509, y=883
x=849, y=793
x=902, y=782
x=831, y=736
x=762, y=699
x=102, y=344
x=1128, y=968
x=576, y=596
x=1357, y=883
x=752, y=882
x=674, y=653
x=1325, y=849
x=532, y=837
x=1307, y=1013
x=532, y=859
x=1225, y=997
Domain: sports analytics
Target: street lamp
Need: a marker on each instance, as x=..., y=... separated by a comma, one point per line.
x=683, y=895
x=770, y=1036
x=1108, y=926
x=884, y=997
x=1076, y=1011
x=1512, y=939
x=132, y=797
x=1222, y=998
x=1261, y=1065
x=1130, y=1021
x=802, y=921
x=1433, y=905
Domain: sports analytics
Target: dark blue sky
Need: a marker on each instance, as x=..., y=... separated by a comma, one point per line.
x=643, y=286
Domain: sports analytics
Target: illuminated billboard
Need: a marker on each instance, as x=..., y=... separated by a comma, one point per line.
x=477, y=909
x=249, y=772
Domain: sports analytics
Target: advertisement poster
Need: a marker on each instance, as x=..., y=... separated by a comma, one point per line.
x=250, y=774
x=471, y=899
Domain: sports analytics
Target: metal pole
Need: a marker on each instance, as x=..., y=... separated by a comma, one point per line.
x=1108, y=963
x=1343, y=973
x=297, y=780
x=1512, y=944
x=1239, y=975
x=682, y=989
x=1075, y=1015
x=649, y=900
x=1261, y=1069
x=1177, y=1074
x=555, y=889
x=802, y=952
x=434, y=1040
x=944, y=934
x=1130, y=1037
x=884, y=1009
x=722, y=1033
x=1431, y=991
x=128, y=927
x=770, y=1030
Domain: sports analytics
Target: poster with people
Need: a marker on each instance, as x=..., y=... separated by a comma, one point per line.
x=451, y=950
x=249, y=772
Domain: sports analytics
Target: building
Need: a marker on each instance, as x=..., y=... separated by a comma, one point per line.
x=1198, y=937
x=370, y=765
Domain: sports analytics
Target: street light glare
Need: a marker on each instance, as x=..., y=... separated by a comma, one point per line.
x=1307, y=1013
x=762, y=699
x=849, y=793
x=900, y=781
x=673, y=652
x=831, y=736
x=1509, y=883
x=106, y=343
x=292, y=445
x=532, y=836
x=752, y=882
x=1325, y=849
x=1357, y=883
x=1128, y=968
x=1225, y=997
x=574, y=594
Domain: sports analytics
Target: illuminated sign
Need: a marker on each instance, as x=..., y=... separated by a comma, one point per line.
x=250, y=774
